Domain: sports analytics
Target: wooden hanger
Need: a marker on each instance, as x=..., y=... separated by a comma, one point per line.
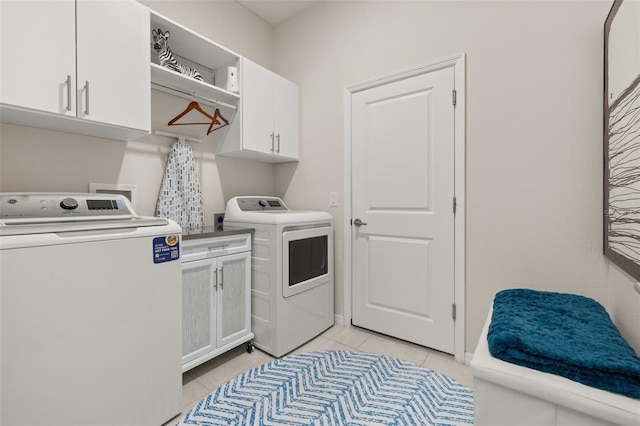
x=194, y=105
x=217, y=115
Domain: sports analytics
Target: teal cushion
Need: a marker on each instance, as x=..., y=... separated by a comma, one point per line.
x=564, y=334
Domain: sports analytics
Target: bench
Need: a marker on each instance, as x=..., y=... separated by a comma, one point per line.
x=508, y=394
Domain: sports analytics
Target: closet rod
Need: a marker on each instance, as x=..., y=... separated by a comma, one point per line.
x=177, y=136
x=210, y=102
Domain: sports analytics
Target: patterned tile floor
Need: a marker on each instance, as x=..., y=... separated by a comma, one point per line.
x=203, y=379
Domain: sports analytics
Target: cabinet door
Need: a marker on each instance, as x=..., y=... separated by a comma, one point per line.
x=234, y=301
x=198, y=308
x=37, y=53
x=114, y=57
x=257, y=108
x=286, y=117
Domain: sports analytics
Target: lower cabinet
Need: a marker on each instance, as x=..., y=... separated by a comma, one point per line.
x=216, y=298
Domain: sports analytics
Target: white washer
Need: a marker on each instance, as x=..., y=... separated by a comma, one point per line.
x=291, y=271
x=90, y=312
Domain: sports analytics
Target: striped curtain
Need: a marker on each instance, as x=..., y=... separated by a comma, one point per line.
x=180, y=197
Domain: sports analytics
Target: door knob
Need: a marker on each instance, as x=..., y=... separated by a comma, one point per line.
x=358, y=222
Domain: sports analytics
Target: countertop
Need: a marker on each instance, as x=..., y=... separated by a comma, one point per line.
x=214, y=231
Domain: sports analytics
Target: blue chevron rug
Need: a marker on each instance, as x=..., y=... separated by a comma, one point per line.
x=336, y=388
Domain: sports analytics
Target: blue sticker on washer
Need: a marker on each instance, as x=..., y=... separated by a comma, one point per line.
x=166, y=249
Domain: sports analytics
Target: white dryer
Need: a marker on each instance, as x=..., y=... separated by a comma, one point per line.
x=291, y=271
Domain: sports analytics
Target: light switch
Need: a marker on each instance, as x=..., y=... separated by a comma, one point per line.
x=333, y=199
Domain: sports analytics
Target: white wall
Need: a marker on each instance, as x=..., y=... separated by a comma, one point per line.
x=40, y=160
x=534, y=133
x=534, y=149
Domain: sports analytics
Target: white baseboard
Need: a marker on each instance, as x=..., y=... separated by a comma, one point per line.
x=467, y=358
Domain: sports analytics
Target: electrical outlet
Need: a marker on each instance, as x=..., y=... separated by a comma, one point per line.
x=218, y=221
x=333, y=199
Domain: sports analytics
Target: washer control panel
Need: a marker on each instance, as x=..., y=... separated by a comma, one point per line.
x=52, y=205
x=257, y=204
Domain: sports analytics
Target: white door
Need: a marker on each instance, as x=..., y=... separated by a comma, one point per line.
x=199, y=286
x=233, y=301
x=257, y=108
x=114, y=60
x=286, y=116
x=38, y=55
x=402, y=192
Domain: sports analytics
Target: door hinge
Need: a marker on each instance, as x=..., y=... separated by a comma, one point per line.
x=454, y=94
x=453, y=311
x=455, y=205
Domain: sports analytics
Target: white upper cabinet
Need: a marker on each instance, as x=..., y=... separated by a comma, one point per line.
x=286, y=117
x=257, y=108
x=113, y=58
x=76, y=66
x=38, y=55
x=269, y=117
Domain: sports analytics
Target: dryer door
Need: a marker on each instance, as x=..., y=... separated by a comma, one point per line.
x=307, y=259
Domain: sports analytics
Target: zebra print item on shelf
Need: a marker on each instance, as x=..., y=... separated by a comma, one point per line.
x=166, y=57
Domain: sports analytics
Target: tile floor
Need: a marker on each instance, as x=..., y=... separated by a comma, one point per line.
x=203, y=379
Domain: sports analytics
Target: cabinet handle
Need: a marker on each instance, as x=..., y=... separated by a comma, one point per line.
x=218, y=247
x=272, y=142
x=86, y=94
x=221, y=278
x=215, y=286
x=278, y=137
x=68, y=93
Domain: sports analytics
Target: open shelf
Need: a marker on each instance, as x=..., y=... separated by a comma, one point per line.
x=200, y=50
x=173, y=80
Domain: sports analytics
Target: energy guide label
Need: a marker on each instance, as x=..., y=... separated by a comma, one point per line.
x=166, y=249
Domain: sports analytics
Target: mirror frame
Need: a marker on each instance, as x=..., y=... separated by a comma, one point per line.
x=621, y=223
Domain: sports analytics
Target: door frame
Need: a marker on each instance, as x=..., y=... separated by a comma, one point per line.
x=458, y=63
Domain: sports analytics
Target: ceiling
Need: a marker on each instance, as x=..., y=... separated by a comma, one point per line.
x=276, y=11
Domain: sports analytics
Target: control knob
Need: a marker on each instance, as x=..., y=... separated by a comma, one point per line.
x=69, y=204
x=262, y=203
